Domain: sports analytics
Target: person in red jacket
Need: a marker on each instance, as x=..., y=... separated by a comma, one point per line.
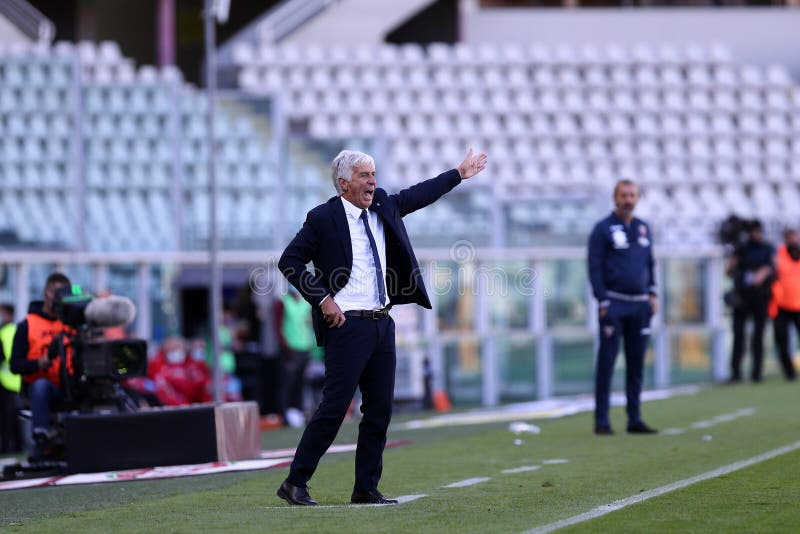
x=785, y=305
x=179, y=380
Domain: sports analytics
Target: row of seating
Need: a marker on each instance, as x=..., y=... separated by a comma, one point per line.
x=563, y=125
x=498, y=77
x=532, y=99
x=464, y=54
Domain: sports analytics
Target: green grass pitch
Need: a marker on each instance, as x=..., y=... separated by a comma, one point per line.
x=764, y=497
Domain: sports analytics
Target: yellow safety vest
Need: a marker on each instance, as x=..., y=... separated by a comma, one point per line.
x=8, y=380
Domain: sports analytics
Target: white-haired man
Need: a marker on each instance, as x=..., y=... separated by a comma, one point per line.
x=363, y=265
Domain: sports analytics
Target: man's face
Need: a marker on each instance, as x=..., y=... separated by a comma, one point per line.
x=756, y=235
x=50, y=293
x=792, y=239
x=361, y=187
x=625, y=197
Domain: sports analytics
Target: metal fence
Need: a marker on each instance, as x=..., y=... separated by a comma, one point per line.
x=506, y=324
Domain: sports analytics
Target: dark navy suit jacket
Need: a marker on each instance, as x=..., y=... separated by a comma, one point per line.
x=325, y=240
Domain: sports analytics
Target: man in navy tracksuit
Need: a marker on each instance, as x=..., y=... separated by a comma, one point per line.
x=621, y=269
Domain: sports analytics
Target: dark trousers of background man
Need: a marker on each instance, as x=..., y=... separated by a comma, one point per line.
x=631, y=320
x=781, y=325
x=10, y=435
x=757, y=309
x=359, y=354
x=294, y=369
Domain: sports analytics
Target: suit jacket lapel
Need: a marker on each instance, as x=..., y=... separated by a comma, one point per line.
x=339, y=218
x=378, y=208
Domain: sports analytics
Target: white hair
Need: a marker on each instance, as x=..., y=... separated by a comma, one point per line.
x=343, y=164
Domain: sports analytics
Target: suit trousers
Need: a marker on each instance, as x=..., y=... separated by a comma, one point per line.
x=755, y=307
x=781, y=325
x=631, y=320
x=361, y=353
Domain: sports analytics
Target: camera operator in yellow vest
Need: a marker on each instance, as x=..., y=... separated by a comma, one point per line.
x=30, y=357
x=10, y=438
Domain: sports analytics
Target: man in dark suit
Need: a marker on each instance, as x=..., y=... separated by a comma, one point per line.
x=363, y=265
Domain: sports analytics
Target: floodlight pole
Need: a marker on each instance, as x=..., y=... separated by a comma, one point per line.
x=215, y=285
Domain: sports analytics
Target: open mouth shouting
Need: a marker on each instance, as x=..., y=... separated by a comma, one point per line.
x=367, y=195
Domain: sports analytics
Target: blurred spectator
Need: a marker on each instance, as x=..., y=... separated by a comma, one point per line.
x=10, y=383
x=314, y=378
x=248, y=321
x=296, y=338
x=226, y=342
x=751, y=267
x=178, y=380
x=785, y=305
x=201, y=355
x=247, y=343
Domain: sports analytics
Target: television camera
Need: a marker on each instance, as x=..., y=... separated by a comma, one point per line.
x=93, y=367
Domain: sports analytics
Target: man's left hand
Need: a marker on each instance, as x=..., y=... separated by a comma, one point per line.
x=472, y=164
x=654, y=304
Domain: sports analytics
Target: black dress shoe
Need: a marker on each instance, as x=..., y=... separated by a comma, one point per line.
x=603, y=430
x=370, y=497
x=641, y=428
x=295, y=495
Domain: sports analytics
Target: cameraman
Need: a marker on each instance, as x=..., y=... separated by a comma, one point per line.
x=752, y=269
x=29, y=358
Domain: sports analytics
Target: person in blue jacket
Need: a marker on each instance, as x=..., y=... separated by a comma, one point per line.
x=622, y=273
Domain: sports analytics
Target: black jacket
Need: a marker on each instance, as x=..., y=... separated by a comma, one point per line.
x=325, y=240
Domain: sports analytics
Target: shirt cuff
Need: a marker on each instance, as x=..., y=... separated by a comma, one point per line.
x=324, y=299
x=653, y=290
x=604, y=303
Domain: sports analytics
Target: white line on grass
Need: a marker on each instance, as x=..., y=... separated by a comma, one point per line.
x=400, y=500
x=523, y=469
x=555, y=461
x=724, y=418
x=408, y=498
x=649, y=494
x=467, y=482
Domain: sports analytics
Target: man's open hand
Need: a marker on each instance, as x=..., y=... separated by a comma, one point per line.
x=472, y=164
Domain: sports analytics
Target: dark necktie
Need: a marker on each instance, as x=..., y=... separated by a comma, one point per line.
x=376, y=259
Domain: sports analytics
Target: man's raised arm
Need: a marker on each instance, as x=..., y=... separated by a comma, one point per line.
x=425, y=193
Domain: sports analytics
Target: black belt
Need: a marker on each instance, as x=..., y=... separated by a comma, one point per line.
x=368, y=314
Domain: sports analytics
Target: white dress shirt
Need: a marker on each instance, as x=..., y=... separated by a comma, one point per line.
x=361, y=290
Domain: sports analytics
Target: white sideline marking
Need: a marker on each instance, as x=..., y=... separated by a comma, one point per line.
x=546, y=409
x=724, y=418
x=468, y=482
x=408, y=498
x=400, y=500
x=649, y=494
x=555, y=461
x=523, y=469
